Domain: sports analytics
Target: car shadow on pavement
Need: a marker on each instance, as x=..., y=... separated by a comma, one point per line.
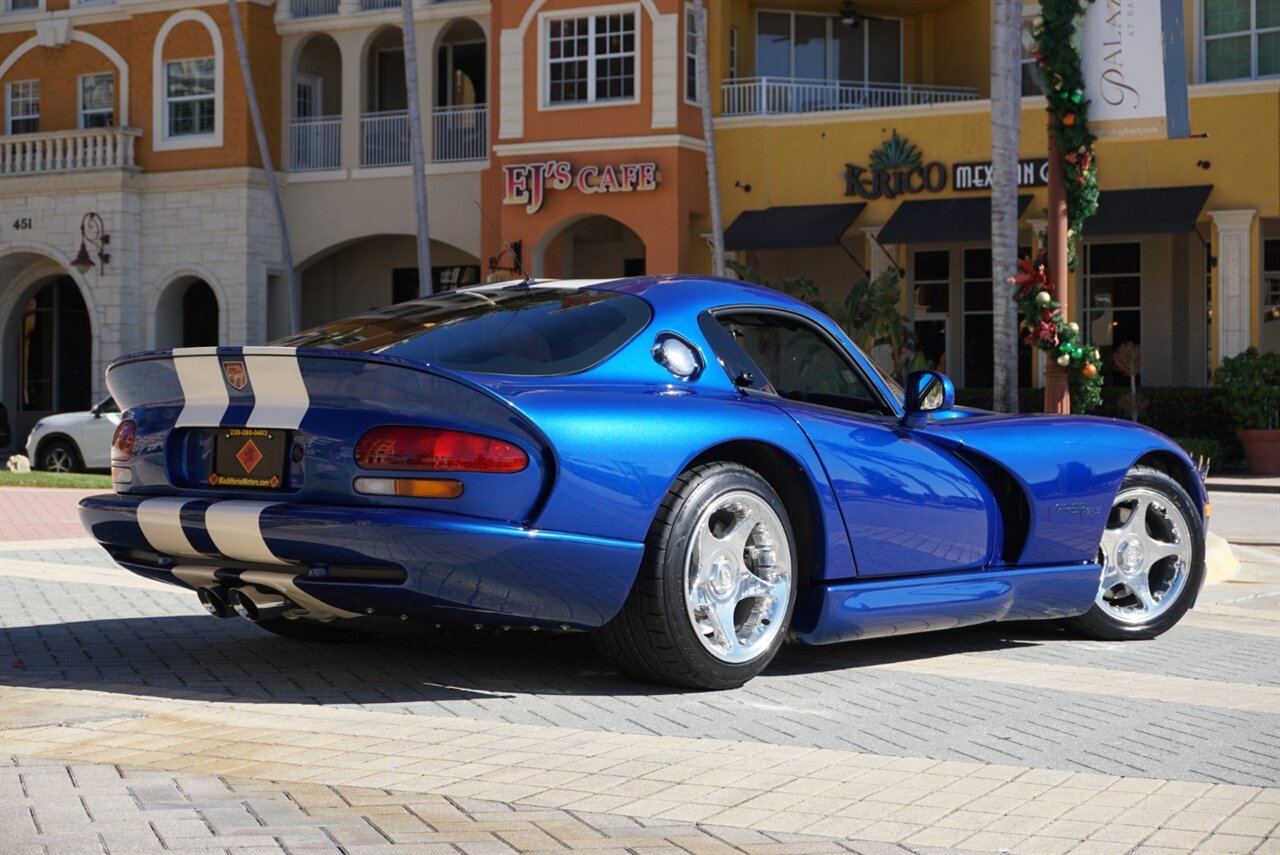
x=186, y=655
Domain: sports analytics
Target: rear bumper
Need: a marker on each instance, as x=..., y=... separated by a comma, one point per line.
x=453, y=568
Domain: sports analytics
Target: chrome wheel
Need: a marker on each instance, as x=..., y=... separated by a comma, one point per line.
x=737, y=578
x=1146, y=556
x=59, y=459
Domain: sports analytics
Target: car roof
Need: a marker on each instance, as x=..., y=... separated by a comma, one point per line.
x=669, y=292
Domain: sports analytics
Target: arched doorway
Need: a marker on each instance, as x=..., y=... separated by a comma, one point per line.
x=459, y=126
x=384, y=122
x=594, y=247
x=48, y=354
x=187, y=315
x=376, y=271
x=315, y=140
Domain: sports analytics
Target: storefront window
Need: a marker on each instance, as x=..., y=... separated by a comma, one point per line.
x=1241, y=39
x=820, y=48
x=1113, y=298
x=591, y=59
x=1270, y=338
x=979, y=324
x=931, y=277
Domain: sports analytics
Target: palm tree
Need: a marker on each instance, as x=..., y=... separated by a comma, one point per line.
x=1006, y=120
x=415, y=147
x=255, y=114
x=708, y=133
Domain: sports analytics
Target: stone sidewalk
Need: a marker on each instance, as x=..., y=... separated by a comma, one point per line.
x=128, y=723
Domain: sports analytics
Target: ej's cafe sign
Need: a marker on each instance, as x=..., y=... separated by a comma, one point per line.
x=527, y=183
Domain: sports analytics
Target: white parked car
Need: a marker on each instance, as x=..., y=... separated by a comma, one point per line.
x=73, y=442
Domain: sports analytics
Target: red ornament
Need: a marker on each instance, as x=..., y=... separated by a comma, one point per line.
x=1069, y=120
x=1089, y=370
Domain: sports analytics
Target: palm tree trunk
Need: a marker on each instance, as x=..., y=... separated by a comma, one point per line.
x=255, y=114
x=708, y=134
x=416, y=155
x=1006, y=120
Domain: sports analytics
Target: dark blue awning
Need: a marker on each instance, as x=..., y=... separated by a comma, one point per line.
x=791, y=226
x=1160, y=210
x=943, y=220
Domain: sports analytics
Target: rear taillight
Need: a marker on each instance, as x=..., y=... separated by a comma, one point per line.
x=437, y=450
x=122, y=441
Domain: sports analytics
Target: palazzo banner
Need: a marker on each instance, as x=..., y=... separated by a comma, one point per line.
x=1135, y=69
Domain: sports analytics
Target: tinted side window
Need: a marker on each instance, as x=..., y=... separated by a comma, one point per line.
x=799, y=362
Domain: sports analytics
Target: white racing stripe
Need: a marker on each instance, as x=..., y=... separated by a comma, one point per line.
x=234, y=528
x=161, y=524
x=280, y=396
x=203, y=390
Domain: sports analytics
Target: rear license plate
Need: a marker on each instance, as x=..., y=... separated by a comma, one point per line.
x=248, y=457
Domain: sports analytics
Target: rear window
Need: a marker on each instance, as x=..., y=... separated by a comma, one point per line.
x=520, y=331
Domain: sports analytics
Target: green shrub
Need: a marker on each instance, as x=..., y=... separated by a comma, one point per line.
x=1210, y=449
x=1250, y=383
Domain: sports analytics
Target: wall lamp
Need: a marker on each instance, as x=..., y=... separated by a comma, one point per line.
x=92, y=233
x=515, y=248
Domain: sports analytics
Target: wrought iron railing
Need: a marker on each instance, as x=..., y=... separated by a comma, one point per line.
x=761, y=95
x=67, y=151
x=460, y=133
x=384, y=138
x=316, y=144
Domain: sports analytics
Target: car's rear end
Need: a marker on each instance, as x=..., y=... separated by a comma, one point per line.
x=356, y=477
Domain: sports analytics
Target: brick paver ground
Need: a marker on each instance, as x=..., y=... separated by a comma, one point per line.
x=32, y=513
x=134, y=722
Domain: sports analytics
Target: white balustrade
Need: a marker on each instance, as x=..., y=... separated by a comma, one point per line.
x=67, y=151
x=316, y=144
x=460, y=133
x=384, y=138
x=312, y=8
x=760, y=95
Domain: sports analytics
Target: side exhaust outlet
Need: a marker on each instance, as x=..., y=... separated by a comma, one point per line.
x=215, y=600
x=256, y=605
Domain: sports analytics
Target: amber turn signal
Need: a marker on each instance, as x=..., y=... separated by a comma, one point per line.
x=414, y=488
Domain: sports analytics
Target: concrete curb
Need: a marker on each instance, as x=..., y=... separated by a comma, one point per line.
x=1220, y=562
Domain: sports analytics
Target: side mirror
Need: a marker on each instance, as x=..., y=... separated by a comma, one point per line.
x=97, y=413
x=927, y=392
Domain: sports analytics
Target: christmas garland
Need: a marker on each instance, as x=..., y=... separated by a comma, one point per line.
x=1057, y=55
x=1047, y=329
x=1043, y=324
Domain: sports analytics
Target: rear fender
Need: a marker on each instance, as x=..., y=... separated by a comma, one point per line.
x=613, y=476
x=325, y=400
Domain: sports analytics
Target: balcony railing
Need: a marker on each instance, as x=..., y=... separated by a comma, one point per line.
x=312, y=8
x=460, y=133
x=66, y=151
x=760, y=95
x=371, y=5
x=317, y=144
x=384, y=138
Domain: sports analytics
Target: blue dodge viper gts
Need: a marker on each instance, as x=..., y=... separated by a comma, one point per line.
x=694, y=469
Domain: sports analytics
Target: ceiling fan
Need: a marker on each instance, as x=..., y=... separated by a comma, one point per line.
x=851, y=17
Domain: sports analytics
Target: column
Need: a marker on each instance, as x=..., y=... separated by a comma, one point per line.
x=1233, y=295
x=354, y=83
x=878, y=261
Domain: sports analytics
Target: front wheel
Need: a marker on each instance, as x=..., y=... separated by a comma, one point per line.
x=711, y=604
x=1152, y=556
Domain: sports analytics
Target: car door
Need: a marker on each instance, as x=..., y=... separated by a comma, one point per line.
x=96, y=432
x=909, y=506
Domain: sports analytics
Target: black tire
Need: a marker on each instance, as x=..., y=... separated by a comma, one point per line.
x=653, y=638
x=60, y=455
x=1173, y=521
x=309, y=630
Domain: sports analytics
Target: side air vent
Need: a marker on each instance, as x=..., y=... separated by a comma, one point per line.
x=1015, y=510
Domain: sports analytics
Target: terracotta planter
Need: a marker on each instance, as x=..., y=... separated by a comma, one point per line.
x=1262, y=449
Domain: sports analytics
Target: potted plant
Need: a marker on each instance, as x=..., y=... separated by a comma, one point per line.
x=1250, y=383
